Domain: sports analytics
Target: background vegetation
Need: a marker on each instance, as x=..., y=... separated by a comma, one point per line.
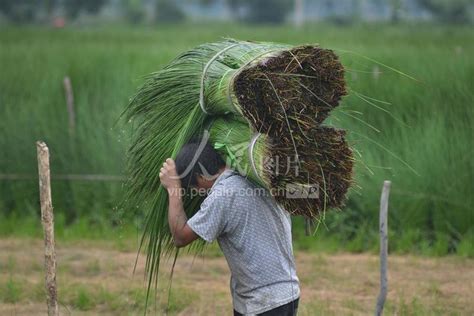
x=253, y=11
x=427, y=125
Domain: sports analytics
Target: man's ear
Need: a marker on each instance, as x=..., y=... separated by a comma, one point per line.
x=203, y=181
x=200, y=180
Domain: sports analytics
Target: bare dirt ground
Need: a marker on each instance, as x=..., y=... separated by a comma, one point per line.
x=97, y=279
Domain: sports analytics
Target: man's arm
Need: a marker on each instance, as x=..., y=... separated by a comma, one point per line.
x=177, y=219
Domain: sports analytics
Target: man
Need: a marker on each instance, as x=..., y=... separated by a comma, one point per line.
x=253, y=232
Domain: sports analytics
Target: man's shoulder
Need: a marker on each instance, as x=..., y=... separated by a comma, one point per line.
x=238, y=189
x=230, y=189
x=232, y=182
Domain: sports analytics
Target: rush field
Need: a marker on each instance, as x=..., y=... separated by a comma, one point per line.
x=409, y=112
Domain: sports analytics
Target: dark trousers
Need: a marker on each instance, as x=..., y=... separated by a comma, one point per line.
x=289, y=309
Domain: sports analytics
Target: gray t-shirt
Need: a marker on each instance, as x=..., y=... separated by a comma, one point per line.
x=254, y=234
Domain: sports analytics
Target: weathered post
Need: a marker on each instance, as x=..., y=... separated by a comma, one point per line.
x=47, y=220
x=307, y=226
x=383, y=229
x=70, y=104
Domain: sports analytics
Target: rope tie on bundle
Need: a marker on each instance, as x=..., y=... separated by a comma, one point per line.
x=251, y=157
x=203, y=77
x=229, y=94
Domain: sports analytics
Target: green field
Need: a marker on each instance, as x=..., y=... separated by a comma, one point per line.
x=419, y=136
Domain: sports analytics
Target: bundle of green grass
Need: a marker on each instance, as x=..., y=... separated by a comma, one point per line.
x=264, y=99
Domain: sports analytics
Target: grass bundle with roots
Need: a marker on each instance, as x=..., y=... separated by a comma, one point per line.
x=279, y=89
x=290, y=91
x=318, y=180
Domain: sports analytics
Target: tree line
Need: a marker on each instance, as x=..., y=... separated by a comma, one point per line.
x=253, y=11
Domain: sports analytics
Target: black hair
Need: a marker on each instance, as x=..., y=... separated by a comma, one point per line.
x=197, y=159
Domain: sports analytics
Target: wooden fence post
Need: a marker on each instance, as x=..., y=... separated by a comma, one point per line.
x=307, y=226
x=47, y=219
x=383, y=229
x=70, y=105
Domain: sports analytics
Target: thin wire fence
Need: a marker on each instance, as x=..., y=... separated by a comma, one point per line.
x=79, y=177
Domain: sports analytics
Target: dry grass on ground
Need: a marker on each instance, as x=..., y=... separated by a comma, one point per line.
x=97, y=279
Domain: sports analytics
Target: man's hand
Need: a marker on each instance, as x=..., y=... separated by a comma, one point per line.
x=177, y=219
x=169, y=177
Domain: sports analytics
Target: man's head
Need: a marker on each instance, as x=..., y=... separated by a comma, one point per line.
x=198, y=165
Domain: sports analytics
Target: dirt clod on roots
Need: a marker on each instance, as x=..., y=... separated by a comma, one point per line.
x=294, y=89
x=322, y=171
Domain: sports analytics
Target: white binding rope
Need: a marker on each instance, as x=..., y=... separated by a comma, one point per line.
x=251, y=158
x=207, y=128
x=203, y=77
